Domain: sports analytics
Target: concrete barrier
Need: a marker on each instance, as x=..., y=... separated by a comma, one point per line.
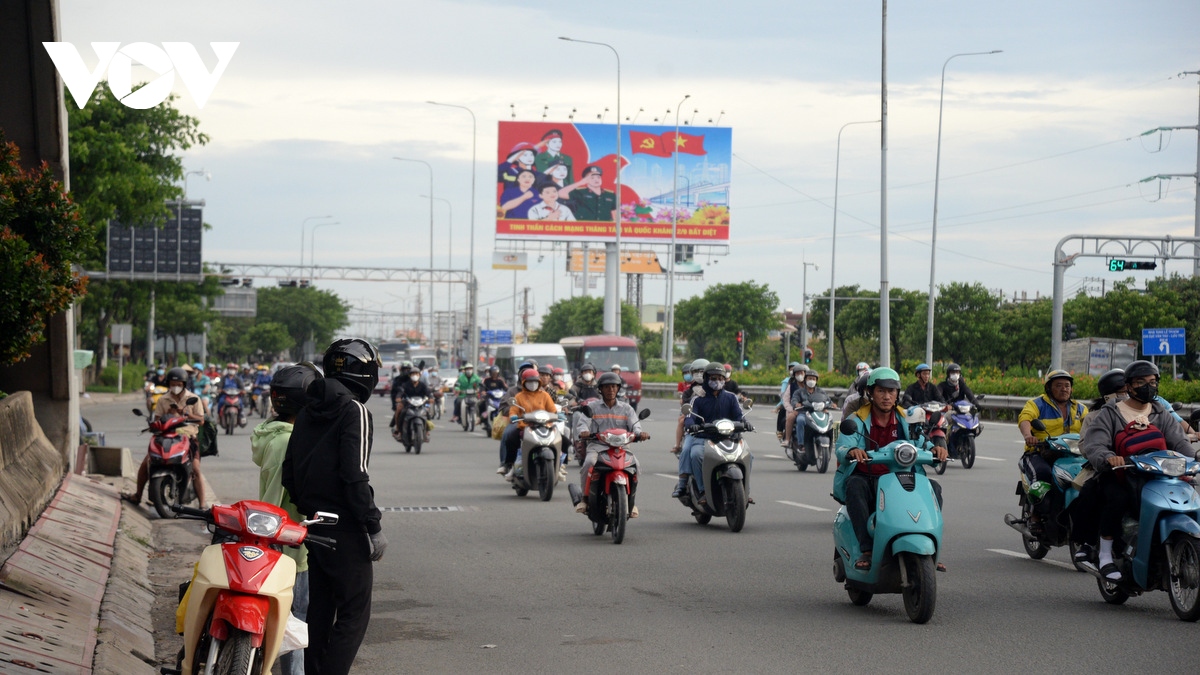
x=31, y=469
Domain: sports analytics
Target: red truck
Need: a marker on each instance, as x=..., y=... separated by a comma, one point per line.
x=603, y=352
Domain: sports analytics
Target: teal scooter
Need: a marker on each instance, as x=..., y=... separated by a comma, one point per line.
x=906, y=527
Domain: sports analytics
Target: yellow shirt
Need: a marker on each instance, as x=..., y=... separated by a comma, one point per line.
x=1047, y=410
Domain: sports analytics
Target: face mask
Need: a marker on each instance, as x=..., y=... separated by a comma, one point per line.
x=433, y=373
x=687, y=377
x=810, y=383
x=800, y=377
x=587, y=377
x=953, y=378
x=532, y=386
x=1145, y=393
x=231, y=373
x=717, y=385
x=413, y=378
x=177, y=389
x=160, y=371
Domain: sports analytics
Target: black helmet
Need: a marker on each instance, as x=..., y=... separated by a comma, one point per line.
x=546, y=370
x=860, y=383
x=493, y=369
x=289, y=385
x=714, y=368
x=1111, y=382
x=354, y=362
x=1132, y=371
x=610, y=378
x=586, y=367
x=953, y=368
x=176, y=375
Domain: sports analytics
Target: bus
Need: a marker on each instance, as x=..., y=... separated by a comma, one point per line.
x=604, y=352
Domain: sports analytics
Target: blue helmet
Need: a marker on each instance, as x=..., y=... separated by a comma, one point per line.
x=923, y=366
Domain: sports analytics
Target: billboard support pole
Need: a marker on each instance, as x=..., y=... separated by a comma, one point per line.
x=669, y=327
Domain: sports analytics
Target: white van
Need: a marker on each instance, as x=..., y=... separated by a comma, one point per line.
x=508, y=357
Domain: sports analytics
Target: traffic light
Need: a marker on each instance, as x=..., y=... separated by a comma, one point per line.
x=1071, y=331
x=741, y=339
x=745, y=363
x=807, y=355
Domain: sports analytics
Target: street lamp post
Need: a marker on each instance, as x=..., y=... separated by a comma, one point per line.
x=198, y=172
x=669, y=332
x=427, y=166
x=303, y=224
x=473, y=290
x=449, y=255
x=804, y=307
x=937, y=171
x=612, y=267
x=837, y=165
x=312, y=245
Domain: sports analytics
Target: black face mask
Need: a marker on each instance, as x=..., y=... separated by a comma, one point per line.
x=1145, y=393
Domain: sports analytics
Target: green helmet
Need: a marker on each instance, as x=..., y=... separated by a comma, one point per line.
x=883, y=377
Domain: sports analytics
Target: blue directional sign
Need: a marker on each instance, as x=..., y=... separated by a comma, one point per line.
x=1163, y=341
x=495, y=337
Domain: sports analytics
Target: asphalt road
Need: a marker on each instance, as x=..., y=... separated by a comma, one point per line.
x=500, y=583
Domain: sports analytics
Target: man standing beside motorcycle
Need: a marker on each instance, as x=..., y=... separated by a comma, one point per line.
x=1061, y=414
x=713, y=404
x=411, y=387
x=268, y=446
x=879, y=423
x=466, y=384
x=800, y=399
x=608, y=413
x=325, y=469
x=170, y=404
x=922, y=391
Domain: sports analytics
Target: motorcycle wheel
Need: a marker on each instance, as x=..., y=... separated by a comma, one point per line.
x=162, y=494
x=940, y=467
x=229, y=421
x=1184, y=582
x=858, y=597
x=921, y=595
x=703, y=518
x=1112, y=593
x=966, y=452
x=1073, y=547
x=618, y=514
x=598, y=528
x=822, y=460
x=735, y=505
x=545, y=480
x=236, y=655
x=1033, y=547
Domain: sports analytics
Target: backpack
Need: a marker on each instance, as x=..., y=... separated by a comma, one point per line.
x=1136, y=439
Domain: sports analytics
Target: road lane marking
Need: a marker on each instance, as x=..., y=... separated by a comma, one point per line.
x=1014, y=554
x=803, y=506
x=774, y=456
x=991, y=459
x=667, y=475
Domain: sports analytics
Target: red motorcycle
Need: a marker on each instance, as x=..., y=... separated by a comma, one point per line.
x=610, y=482
x=236, y=607
x=170, y=467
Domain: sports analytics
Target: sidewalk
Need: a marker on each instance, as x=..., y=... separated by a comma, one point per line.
x=74, y=597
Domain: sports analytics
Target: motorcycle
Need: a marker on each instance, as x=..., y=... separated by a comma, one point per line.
x=413, y=426
x=726, y=465
x=818, y=435
x=907, y=533
x=153, y=393
x=170, y=467
x=609, y=488
x=964, y=428
x=240, y=599
x=541, y=453
x=1160, y=550
x=491, y=408
x=467, y=412
x=231, y=414
x=928, y=421
x=436, y=405
x=260, y=400
x=1056, y=525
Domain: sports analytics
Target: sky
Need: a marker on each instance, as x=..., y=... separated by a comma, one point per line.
x=1038, y=142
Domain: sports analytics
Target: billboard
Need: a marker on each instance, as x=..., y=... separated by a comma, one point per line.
x=557, y=182
x=171, y=250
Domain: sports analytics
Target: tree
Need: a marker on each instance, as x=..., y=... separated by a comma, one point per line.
x=1024, y=334
x=306, y=313
x=41, y=236
x=966, y=323
x=584, y=316
x=264, y=340
x=710, y=322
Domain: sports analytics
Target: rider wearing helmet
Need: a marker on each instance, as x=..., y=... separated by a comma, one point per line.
x=879, y=423
x=231, y=380
x=800, y=398
x=781, y=417
x=789, y=396
x=531, y=398
x=953, y=389
x=1111, y=385
x=608, y=413
x=861, y=368
x=922, y=391
x=325, y=469
x=176, y=403
x=586, y=386
x=467, y=383
x=1133, y=426
x=686, y=381
x=713, y=404
x=683, y=443
x=201, y=383
x=410, y=387
x=855, y=397
x=1062, y=415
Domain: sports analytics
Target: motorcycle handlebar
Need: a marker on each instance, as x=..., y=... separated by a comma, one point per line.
x=325, y=542
x=189, y=512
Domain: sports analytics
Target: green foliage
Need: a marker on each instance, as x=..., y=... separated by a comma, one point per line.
x=656, y=366
x=41, y=236
x=710, y=321
x=966, y=319
x=585, y=316
x=107, y=379
x=264, y=340
x=305, y=313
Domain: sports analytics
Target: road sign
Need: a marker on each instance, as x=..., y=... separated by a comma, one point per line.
x=1163, y=341
x=495, y=337
x=122, y=334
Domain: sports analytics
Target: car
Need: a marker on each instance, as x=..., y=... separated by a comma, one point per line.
x=384, y=386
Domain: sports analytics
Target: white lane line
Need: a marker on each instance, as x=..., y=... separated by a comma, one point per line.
x=774, y=456
x=803, y=506
x=991, y=459
x=1014, y=554
x=667, y=475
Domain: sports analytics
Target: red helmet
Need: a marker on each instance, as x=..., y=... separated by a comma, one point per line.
x=529, y=375
x=728, y=368
x=558, y=371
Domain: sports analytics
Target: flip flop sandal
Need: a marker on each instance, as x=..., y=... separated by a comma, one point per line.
x=1109, y=569
x=941, y=567
x=863, y=564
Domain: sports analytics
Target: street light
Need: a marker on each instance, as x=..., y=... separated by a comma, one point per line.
x=427, y=166
x=472, y=291
x=669, y=337
x=804, y=308
x=837, y=166
x=303, y=224
x=198, y=172
x=449, y=250
x=612, y=271
x=936, y=175
x=312, y=246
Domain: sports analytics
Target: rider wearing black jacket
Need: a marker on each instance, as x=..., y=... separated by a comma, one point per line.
x=922, y=391
x=954, y=389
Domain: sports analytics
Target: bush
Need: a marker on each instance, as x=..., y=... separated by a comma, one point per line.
x=107, y=379
x=656, y=367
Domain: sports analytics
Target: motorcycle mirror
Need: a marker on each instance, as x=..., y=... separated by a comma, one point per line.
x=1176, y=406
x=586, y=411
x=848, y=427
x=644, y=414
x=1037, y=425
x=192, y=400
x=1195, y=416
x=138, y=412
x=686, y=409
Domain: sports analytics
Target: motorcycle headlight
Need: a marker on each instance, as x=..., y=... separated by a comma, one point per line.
x=262, y=524
x=819, y=406
x=964, y=408
x=724, y=427
x=1172, y=466
x=1073, y=446
x=906, y=455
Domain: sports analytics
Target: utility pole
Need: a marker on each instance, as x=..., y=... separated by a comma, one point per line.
x=525, y=314
x=804, y=308
x=1194, y=176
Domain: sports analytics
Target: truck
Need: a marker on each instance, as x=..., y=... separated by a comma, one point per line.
x=1094, y=355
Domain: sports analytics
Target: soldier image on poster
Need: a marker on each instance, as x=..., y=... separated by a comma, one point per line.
x=552, y=143
x=592, y=201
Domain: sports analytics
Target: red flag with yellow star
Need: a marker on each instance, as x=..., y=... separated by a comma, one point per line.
x=648, y=144
x=686, y=143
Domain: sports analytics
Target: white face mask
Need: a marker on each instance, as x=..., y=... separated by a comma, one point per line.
x=953, y=377
x=532, y=386
x=177, y=389
x=588, y=376
x=414, y=378
x=800, y=377
x=810, y=383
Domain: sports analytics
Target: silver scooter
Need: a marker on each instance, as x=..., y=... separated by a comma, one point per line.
x=726, y=465
x=541, y=453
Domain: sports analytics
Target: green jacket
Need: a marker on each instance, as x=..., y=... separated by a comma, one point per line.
x=467, y=384
x=268, y=445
